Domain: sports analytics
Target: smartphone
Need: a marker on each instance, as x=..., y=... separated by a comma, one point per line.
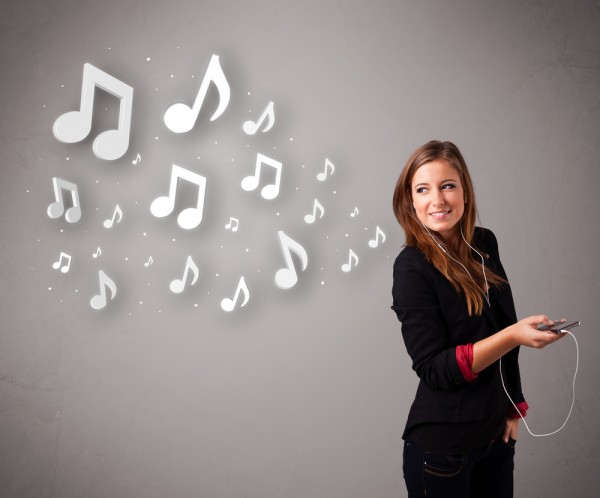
x=559, y=327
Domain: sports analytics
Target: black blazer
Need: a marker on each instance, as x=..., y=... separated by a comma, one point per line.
x=434, y=321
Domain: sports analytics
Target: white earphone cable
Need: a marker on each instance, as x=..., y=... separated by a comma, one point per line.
x=572, y=401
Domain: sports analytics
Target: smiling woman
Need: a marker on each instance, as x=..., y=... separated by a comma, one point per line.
x=452, y=296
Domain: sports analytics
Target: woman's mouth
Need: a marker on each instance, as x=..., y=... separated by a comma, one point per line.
x=440, y=215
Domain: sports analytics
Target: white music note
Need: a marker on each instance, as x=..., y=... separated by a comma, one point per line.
x=328, y=166
x=64, y=267
x=137, y=159
x=111, y=221
x=97, y=253
x=346, y=267
x=99, y=300
x=149, y=262
x=228, y=304
x=285, y=278
x=178, y=285
x=310, y=218
x=181, y=118
x=250, y=127
x=355, y=212
x=233, y=224
x=269, y=191
x=163, y=206
x=74, y=126
x=56, y=209
x=378, y=233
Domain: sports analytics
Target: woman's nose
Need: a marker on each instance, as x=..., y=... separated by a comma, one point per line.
x=438, y=198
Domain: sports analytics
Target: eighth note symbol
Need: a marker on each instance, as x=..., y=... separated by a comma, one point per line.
x=111, y=221
x=375, y=242
x=228, y=304
x=328, y=166
x=346, y=267
x=355, y=212
x=64, y=268
x=310, y=218
x=97, y=253
x=137, y=159
x=286, y=278
x=99, y=300
x=163, y=206
x=149, y=262
x=178, y=285
x=74, y=126
x=250, y=127
x=180, y=118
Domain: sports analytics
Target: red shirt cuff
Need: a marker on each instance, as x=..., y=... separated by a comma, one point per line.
x=464, y=358
x=520, y=412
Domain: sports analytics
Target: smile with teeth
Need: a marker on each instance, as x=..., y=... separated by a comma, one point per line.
x=439, y=215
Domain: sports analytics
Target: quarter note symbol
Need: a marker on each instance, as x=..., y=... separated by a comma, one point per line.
x=346, y=267
x=99, y=300
x=228, y=304
x=180, y=118
x=286, y=277
x=310, y=218
x=74, y=126
x=178, y=285
x=163, y=206
x=64, y=267
x=250, y=127
x=57, y=208
x=137, y=159
x=328, y=167
x=233, y=224
x=111, y=221
x=378, y=233
x=271, y=190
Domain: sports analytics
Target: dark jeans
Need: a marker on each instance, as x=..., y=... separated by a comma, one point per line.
x=485, y=472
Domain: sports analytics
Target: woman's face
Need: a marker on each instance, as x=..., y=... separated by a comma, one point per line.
x=438, y=198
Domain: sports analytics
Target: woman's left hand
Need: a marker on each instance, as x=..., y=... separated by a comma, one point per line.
x=511, y=429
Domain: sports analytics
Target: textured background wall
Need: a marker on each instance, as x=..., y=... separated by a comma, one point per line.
x=303, y=392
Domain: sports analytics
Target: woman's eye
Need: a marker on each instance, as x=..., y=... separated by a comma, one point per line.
x=420, y=190
x=449, y=186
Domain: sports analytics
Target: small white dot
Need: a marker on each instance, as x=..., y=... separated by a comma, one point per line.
x=173, y=240
x=62, y=86
x=27, y=191
x=97, y=181
x=277, y=214
x=126, y=258
x=67, y=158
x=141, y=302
x=44, y=105
x=172, y=76
x=61, y=230
x=346, y=235
x=155, y=138
x=216, y=274
x=216, y=142
x=291, y=139
x=249, y=93
x=322, y=282
x=148, y=59
x=160, y=311
x=49, y=288
x=195, y=305
x=297, y=188
x=76, y=291
x=247, y=250
x=144, y=234
x=334, y=192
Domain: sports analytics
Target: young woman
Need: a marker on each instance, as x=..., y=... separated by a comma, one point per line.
x=458, y=318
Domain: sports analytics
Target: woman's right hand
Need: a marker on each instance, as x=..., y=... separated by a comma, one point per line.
x=525, y=333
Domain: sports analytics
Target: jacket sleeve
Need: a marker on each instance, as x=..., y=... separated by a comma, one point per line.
x=510, y=361
x=424, y=331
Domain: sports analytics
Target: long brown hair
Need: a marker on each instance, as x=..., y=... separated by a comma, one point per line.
x=417, y=236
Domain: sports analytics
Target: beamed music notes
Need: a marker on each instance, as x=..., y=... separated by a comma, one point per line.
x=163, y=206
x=271, y=190
x=74, y=126
x=57, y=208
